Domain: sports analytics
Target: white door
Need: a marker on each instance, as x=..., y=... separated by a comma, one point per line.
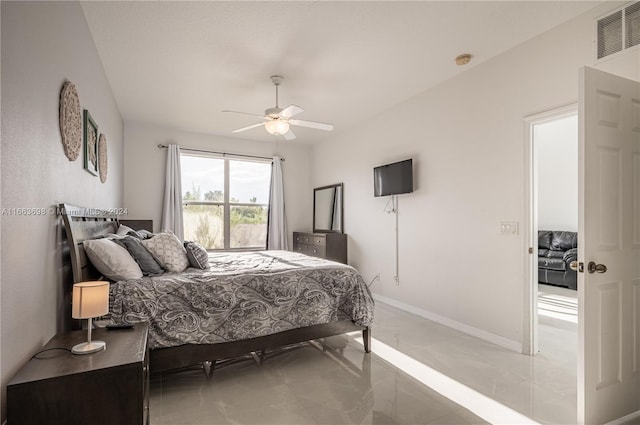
x=609, y=229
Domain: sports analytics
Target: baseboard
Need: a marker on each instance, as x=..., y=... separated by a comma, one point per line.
x=625, y=419
x=462, y=327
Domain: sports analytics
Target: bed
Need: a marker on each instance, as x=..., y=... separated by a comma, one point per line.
x=247, y=302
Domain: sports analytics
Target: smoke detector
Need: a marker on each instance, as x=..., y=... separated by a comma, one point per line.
x=463, y=59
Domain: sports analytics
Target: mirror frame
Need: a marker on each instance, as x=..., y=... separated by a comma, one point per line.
x=315, y=190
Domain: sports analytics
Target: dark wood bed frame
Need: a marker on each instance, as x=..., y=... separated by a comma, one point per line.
x=89, y=223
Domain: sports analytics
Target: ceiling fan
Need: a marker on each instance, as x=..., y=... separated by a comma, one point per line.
x=277, y=121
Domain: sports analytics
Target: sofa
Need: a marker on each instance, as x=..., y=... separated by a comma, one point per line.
x=556, y=250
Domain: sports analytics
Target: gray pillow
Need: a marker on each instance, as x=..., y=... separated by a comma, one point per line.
x=197, y=255
x=144, y=234
x=112, y=260
x=145, y=260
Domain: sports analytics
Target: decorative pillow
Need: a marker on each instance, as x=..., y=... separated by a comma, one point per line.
x=124, y=230
x=145, y=234
x=112, y=260
x=197, y=255
x=167, y=249
x=145, y=260
x=128, y=231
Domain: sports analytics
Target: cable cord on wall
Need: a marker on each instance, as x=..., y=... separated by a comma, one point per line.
x=396, y=278
x=391, y=209
x=394, y=210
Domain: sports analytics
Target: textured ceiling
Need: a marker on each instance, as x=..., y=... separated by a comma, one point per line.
x=179, y=64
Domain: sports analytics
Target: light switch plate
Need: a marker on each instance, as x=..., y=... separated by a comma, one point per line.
x=509, y=227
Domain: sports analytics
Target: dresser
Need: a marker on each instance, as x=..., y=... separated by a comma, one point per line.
x=104, y=388
x=331, y=246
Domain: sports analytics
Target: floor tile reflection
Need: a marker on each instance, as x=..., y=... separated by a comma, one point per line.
x=338, y=384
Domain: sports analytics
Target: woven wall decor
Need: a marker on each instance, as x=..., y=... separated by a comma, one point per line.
x=70, y=121
x=102, y=157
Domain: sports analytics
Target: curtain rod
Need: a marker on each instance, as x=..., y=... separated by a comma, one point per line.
x=161, y=146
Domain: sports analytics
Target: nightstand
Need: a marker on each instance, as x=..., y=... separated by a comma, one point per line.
x=104, y=388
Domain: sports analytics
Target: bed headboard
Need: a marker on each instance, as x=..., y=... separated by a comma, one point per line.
x=80, y=224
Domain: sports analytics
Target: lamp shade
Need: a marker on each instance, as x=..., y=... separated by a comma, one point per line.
x=277, y=127
x=90, y=299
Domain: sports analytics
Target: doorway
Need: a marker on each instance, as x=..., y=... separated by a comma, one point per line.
x=552, y=166
x=608, y=386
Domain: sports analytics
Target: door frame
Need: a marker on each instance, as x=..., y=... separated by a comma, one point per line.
x=530, y=240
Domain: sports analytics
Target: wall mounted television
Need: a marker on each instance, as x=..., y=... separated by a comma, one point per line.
x=393, y=179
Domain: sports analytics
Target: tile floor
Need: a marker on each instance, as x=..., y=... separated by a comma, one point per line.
x=339, y=384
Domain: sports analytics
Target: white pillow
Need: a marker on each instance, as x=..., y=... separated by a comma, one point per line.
x=124, y=230
x=112, y=260
x=168, y=251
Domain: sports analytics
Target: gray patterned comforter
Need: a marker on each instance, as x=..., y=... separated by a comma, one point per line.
x=243, y=295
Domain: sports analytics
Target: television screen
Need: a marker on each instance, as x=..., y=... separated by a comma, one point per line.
x=393, y=179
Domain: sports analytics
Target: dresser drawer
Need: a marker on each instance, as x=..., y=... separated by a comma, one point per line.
x=309, y=239
x=300, y=247
x=316, y=251
x=319, y=240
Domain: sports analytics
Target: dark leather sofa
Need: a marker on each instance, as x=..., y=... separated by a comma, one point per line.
x=556, y=250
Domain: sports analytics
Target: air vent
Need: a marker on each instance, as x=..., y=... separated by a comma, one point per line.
x=632, y=25
x=610, y=35
x=619, y=30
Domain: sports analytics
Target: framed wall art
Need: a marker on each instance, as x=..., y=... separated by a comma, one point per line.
x=90, y=144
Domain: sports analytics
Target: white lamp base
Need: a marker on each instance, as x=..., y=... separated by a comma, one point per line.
x=89, y=347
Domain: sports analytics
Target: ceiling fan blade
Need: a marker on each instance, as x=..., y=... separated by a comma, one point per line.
x=249, y=127
x=247, y=113
x=289, y=135
x=290, y=111
x=312, y=124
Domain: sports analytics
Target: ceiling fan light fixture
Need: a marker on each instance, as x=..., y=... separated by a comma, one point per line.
x=277, y=127
x=277, y=120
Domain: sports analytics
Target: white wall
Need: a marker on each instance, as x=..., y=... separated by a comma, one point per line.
x=44, y=44
x=555, y=146
x=145, y=170
x=467, y=140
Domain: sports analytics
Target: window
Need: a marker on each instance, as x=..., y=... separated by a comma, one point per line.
x=225, y=201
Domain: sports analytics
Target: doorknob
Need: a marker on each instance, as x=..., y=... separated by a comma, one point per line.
x=596, y=268
x=577, y=266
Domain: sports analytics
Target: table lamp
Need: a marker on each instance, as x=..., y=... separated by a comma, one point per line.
x=90, y=299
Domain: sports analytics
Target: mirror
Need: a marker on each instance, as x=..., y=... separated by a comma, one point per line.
x=327, y=209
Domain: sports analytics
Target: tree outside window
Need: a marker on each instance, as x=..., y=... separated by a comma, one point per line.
x=225, y=202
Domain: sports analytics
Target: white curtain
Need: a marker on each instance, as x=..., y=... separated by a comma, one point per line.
x=172, y=207
x=277, y=229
